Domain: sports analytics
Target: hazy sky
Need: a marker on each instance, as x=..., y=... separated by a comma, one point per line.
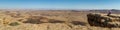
x=61, y=4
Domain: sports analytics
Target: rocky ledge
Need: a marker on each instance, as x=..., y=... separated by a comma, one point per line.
x=102, y=20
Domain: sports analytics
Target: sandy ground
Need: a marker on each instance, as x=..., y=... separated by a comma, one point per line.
x=46, y=20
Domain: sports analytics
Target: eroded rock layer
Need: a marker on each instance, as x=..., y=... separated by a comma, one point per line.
x=103, y=20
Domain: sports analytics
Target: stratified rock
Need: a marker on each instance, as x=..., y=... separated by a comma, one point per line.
x=103, y=20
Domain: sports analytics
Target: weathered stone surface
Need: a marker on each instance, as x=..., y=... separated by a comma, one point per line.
x=103, y=20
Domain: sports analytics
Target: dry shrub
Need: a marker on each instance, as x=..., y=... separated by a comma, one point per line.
x=14, y=24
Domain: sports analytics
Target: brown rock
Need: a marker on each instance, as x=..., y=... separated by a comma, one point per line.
x=103, y=20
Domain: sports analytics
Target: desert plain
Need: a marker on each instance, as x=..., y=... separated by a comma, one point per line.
x=47, y=20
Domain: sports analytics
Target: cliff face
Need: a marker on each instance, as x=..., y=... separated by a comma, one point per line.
x=103, y=20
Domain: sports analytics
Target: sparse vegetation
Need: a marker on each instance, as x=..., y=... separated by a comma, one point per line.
x=14, y=24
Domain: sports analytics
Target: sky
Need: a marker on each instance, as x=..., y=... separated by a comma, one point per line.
x=61, y=4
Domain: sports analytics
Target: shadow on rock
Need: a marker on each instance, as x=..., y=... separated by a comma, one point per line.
x=55, y=21
x=78, y=23
x=33, y=21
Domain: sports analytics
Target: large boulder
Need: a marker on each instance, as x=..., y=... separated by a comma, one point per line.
x=103, y=20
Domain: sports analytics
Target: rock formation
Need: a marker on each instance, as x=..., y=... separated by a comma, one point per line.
x=103, y=20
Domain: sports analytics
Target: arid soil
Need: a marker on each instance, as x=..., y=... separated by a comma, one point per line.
x=46, y=20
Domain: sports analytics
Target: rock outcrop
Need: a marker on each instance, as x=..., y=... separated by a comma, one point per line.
x=103, y=20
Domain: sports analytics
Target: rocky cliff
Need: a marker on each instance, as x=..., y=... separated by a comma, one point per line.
x=103, y=20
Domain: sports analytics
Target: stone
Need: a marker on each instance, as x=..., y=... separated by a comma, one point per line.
x=103, y=20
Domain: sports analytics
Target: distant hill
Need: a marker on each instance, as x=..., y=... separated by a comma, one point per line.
x=105, y=11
